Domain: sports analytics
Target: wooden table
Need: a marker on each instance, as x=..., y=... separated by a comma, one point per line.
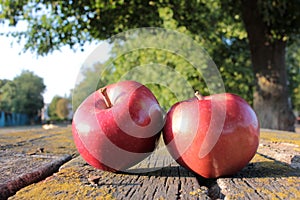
x=274, y=173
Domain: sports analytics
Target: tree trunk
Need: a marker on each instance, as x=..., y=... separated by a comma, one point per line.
x=271, y=98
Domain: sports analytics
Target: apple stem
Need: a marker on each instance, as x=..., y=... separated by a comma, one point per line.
x=106, y=98
x=198, y=95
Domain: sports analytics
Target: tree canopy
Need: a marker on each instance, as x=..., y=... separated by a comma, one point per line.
x=251, y=41
x=52, y=24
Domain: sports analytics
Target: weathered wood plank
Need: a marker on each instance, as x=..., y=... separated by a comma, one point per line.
x=54, y=141
x=272, y=174
x=77, y=177
x=18, y=171
x=28, y=155
x=262, y=180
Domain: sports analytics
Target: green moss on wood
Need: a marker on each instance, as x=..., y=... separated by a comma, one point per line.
x=65, y=184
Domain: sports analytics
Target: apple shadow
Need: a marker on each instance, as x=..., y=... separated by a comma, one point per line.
x=168, y=171
x=263, y=169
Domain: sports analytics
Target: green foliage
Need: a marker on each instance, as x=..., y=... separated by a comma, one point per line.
x=62, y=108
x=59, y=108
x=8, y=93
x=215, y=25
x=166, y=75
x=172, y=70
x=29, y=97
x=161, y=64
x=23, y=94
x=293, y=61
x=52, y=24
x=282, y=17
x=52, y=107
x=236, y=71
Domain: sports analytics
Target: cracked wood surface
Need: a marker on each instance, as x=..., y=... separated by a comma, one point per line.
x=272, y=174
x=31, y=154
x=18, y=171
x=84, y=181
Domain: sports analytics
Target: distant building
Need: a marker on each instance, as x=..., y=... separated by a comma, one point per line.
x=13, y=119
x=44, y=113
x=70, y=115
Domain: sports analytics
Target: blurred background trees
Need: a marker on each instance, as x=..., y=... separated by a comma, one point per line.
x=23, y=94
x=254, y=43
x=59, y=108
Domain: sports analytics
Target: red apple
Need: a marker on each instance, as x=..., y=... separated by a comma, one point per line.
x=212, y=136
x=117, y=126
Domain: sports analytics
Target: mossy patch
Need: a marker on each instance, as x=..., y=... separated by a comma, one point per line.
x=281, y=136
x=267, y=177
x=65, y=184
x=263, y=178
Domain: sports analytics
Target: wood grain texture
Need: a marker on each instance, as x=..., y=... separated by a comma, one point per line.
x=272, y=174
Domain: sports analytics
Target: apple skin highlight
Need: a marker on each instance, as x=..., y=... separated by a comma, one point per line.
x=212, y=136
x=116, y=137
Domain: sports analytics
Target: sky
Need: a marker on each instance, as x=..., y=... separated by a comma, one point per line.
x=59, y=70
